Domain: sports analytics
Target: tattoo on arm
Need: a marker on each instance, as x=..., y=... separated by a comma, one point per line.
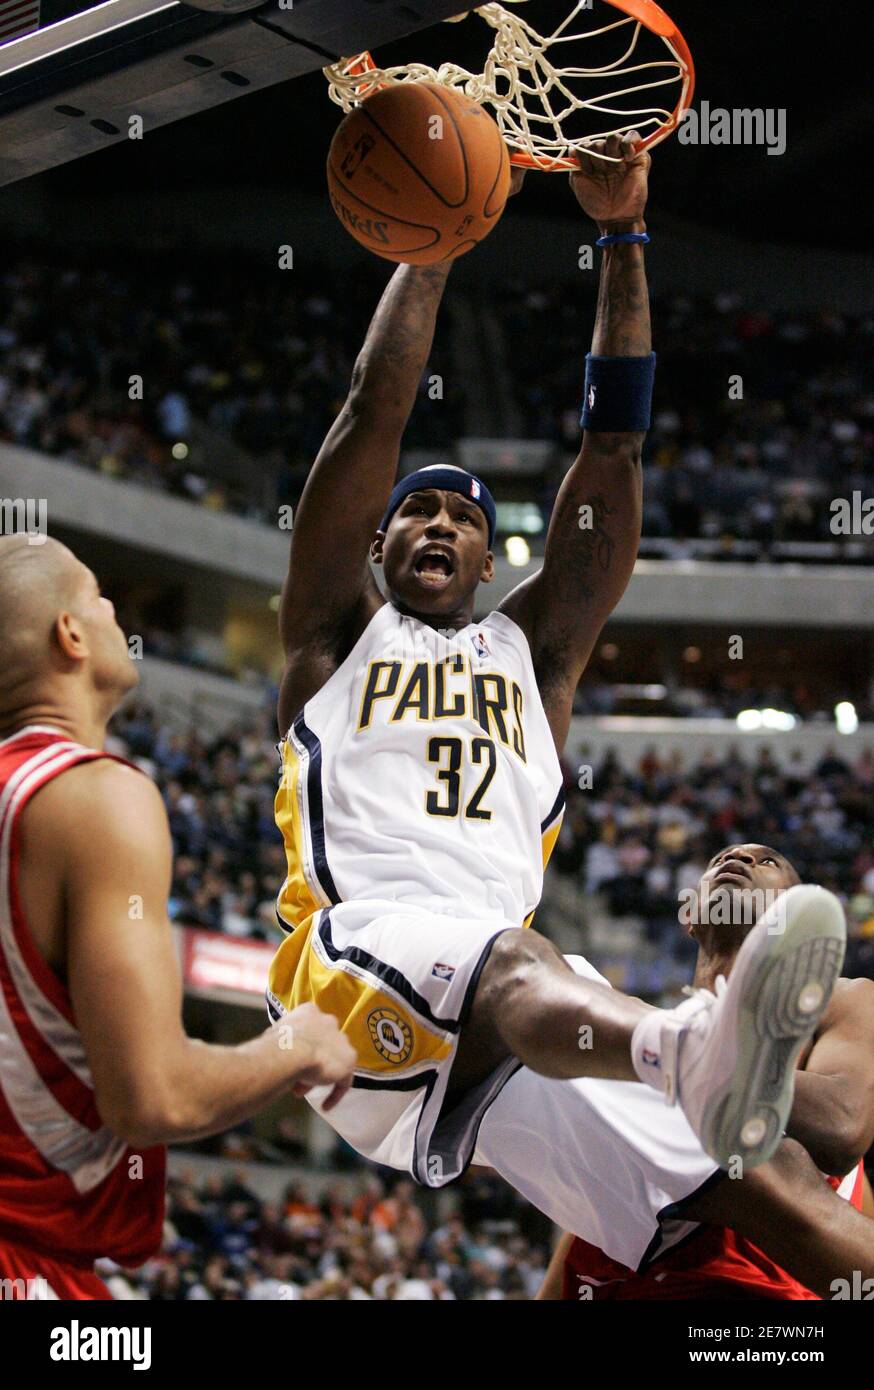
x=622, y=321
x=391, y=362
x=590, y=547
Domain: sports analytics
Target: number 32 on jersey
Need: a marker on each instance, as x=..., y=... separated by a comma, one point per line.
x=447, y=753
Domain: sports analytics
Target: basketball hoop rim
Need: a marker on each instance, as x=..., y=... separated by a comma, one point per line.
x=652, y=17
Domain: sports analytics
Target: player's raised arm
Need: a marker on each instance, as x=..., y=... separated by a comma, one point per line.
x=833, y=1110
x=152, y=1083
x=349, y=485
x=594, y=531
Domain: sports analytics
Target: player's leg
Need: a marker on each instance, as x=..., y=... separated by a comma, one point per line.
x=412, y=989
x=608, y=1161
x=602, y=1159
x=786, y=1209
x=729, y=1059
x=530, y=1004
x=788, y=1212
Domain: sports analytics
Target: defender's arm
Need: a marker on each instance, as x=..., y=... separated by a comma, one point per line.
x=594, y=531
x=153, y=1084
x=833, y=1110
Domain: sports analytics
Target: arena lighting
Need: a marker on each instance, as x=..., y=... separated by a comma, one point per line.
x=518, y=550
x=846, y=718
x=750, y=719
x=640, y=692
x=179, y=451
x=273, y=602
x=777, y=719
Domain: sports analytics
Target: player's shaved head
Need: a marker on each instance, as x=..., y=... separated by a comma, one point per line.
x=54, y=625
x=36, y=582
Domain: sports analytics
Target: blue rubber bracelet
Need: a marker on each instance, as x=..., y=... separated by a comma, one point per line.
x=621, y=238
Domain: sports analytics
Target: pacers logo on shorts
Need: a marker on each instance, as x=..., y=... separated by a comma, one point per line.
x=390, y=1035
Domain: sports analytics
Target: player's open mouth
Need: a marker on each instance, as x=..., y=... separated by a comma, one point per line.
x=434, y=567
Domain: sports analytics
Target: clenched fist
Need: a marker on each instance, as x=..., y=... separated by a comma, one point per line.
x=613, y=192
x=323, y=1056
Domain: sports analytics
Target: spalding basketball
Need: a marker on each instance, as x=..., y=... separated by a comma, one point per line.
x=418, y=173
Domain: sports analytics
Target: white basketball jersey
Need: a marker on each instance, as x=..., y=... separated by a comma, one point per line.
x=423, y=773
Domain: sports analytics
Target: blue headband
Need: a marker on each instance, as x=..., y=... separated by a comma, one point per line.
x=449, y=479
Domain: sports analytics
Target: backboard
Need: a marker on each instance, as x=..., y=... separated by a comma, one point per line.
x=75, y=83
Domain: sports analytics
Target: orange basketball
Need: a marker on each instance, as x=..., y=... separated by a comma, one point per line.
x=418, y=173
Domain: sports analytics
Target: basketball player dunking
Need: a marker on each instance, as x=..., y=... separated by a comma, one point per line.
x=421, y=787
x=783, y=1231
x=96, y=1072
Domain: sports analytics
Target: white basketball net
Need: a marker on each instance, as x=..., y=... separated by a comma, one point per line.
x=532, y=96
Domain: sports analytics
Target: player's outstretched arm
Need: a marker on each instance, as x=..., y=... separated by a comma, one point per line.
x=833, y=1110
x=152, y=1083
x=594, y=531
x=349, y=485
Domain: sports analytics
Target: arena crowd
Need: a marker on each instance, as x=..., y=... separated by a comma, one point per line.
x=759, y=420
x=222, y=1242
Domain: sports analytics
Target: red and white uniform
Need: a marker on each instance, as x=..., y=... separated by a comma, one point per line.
x=711, y=1263
x=70, y=1191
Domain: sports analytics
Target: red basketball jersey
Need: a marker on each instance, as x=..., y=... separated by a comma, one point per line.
x=68, y=1187
x=711, y=1263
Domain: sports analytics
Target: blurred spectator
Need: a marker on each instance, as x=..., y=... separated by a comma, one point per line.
x=125, y=383
x=141, y=386
x=760, y=468
x=343, y=1258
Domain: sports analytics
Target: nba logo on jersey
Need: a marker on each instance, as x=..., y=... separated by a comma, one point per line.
x=443, y=972
x=474, y=488
x=480, y=645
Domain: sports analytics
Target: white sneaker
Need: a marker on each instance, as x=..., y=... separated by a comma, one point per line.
x=729, y=1058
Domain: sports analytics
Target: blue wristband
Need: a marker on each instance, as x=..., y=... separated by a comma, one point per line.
x=618, y=394
x=623, y=238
